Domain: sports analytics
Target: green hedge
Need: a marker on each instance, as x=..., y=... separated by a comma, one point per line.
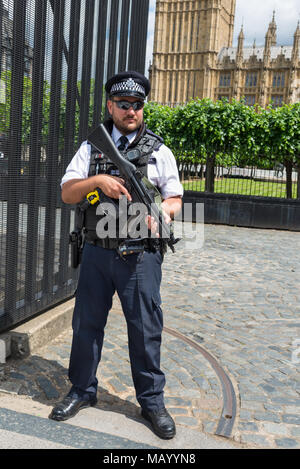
x=229, y=134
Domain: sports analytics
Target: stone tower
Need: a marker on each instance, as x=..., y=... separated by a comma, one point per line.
x=188, y=37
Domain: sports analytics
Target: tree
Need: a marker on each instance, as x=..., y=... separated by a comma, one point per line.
x=284, y=126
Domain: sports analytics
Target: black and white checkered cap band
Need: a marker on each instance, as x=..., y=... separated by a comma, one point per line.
x=127, y=85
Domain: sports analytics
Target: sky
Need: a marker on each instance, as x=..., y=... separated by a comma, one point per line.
x=255, y=15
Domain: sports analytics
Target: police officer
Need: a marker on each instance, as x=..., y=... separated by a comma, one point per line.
x=103, y=271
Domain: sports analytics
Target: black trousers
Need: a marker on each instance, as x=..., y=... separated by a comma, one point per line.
x=137, y=282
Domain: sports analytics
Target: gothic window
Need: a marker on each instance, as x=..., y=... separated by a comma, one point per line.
x=192, y=34
x=251, y=80
x=8, y=60
x=170, y=87
x=197, y=36
x=176, y=88
x=276, y=100
x=173, y=36
x=249, y=99
x=224, y=79
x=26, y=67
x=278, y=79
x=8, y=42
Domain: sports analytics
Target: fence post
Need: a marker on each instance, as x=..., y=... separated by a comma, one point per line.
x=138, y=35
x=69, y=135
x=124, y=36
x=210, y=173
x=14, y=158
x=35, y=149
x=1, y=33
x=100, y=59
x=86, y=70
x=289, y=170
x=53, y=147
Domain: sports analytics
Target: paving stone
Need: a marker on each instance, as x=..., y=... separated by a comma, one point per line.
x=26, y=368
x=286, y=401
x=209, y=427
x=248, y=426
x=291, y=410
x=267, y=416
x=10, y=387
x=15, y=375
x=290, y=418
x=189, y=393
x=117, y=385
x=108, y=345
x=125, y=378
x=275, y=428
x=245, y=414
x=59, y=379
x=295, y=431
x=256, y=439
x=48, y=388
x=268, y=388
x=178, y=410
x=29, y=390
x=273, y=408
x=251, y=405
x=202, y=383
x=177, y=401
x=287, y=443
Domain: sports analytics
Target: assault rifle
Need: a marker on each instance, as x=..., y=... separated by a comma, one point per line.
x=135, y=181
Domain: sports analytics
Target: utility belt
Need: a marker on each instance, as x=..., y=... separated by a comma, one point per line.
x=126, y=247
x=123, y=246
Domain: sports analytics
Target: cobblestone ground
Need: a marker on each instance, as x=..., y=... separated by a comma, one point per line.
x=241, y=294
x=239, y=297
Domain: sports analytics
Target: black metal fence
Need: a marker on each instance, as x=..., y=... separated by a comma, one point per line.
x=250, y=181
x=55, y=56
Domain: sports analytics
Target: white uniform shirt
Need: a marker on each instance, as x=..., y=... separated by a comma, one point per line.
x=162, y=169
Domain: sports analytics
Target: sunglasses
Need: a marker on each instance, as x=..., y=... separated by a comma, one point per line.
x=125, y=105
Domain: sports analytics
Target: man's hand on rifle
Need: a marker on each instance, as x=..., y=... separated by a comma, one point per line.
x=152, y=224
x=75, y=190
x=113, y=186
x=170, y=207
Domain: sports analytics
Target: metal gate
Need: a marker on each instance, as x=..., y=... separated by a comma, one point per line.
x=55, y=56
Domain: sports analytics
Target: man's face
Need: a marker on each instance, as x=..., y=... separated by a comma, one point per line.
x=126, y=121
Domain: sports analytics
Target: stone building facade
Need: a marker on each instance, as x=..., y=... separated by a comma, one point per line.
x=6, y=45
x=193, y=57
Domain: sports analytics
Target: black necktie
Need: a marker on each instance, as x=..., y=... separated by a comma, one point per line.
x=123, y=142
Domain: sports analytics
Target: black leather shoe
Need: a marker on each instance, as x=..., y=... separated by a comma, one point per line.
x=69, y=407
x=162, y=423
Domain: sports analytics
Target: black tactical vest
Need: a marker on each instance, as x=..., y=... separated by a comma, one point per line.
x=139, y=152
